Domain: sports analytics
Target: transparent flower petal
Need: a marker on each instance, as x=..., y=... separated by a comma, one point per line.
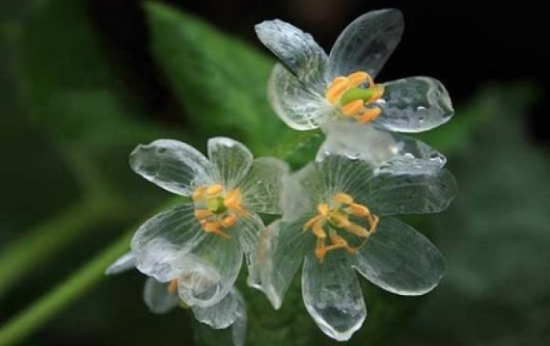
x=388, y=152
x=161, y=240
x=263, y=185
x=410, y=194
x=172, y=165
x=341, y=174
x=281, y=249
x=208, y=274
x=249, y=229
x=400, y=260
x=231, y=160
x=357, y=141
x=297, y=50
x=157, y=298
x=297, y=105
x=333, y=296
x=412, y=157
x=302, y=192
x=414, y=104
x=366, y=43
x=124, y=263
x=225, y=313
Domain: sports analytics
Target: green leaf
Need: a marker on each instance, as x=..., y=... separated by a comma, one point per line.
x=74, y=95
x=220, y=80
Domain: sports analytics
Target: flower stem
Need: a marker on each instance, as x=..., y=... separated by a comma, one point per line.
x=62, y=295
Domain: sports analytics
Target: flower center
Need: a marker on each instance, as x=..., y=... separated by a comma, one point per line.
x=356, y=95
x=335, y=217
x=216, y=210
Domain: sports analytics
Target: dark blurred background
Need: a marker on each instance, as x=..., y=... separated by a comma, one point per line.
x=491, y=57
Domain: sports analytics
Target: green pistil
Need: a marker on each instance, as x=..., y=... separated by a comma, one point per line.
x=358, y=94
x=216, y=205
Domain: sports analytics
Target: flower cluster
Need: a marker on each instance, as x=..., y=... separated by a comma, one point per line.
x=335, y=214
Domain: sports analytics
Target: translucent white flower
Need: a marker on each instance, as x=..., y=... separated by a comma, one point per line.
x=197, y=247
x=163, y=297
x=337, y=216
x=309, y=89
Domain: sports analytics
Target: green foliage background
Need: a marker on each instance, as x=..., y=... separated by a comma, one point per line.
x=68, y=205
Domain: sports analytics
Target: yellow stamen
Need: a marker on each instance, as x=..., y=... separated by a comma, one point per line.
x=229, y=221
x=336, y=216
x=233, y=199
x=202, y=214
x=214, y=228
x=353, y=107
x=358, y=78
x=323, y=209
x=199, y=193
x=336, y=89
x=216, y=210
x=343, y=198
x=172, y=286
x=359, y=103
x=214, y=190
x=369, y=115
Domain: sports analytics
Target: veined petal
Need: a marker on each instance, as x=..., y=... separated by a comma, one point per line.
x=333, y=296
x=302, y=191
x=263, y=185
x=208, y=274
x=400, y=260
x=341, y=174
x=410, y=194
x=366, y=43
x=357, y=141
x=389, y=153
x=248, y=229
x=412, y=157
x=281, y=249
x=172, y=165
x=231, y=160
x=157, y=298
x=414, y=104
x=162, y=240
x=225, y=313
x=298, y=106
x=124, y=263
x=297, y=50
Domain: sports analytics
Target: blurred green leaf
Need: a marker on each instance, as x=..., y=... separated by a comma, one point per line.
x=68, y=83
x=74, y=95
x=220, y=80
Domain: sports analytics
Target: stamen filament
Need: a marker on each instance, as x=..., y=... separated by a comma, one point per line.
x=336, y=217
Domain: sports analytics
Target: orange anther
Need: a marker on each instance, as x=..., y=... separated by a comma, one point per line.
x=358, y=78
x=323, y=209
x=214, y=228
x=229, y=221
x=233, y=199
x=357, y=230
x=353, y=108
x=358, y=210
x=336, y=89
x=199, y=193
x=343, y=198
x=320, y=250
x=214, y=190
x=172, y=286
x=311, y=222
x=369, y=115
x=202, y=214
x=318, y=230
